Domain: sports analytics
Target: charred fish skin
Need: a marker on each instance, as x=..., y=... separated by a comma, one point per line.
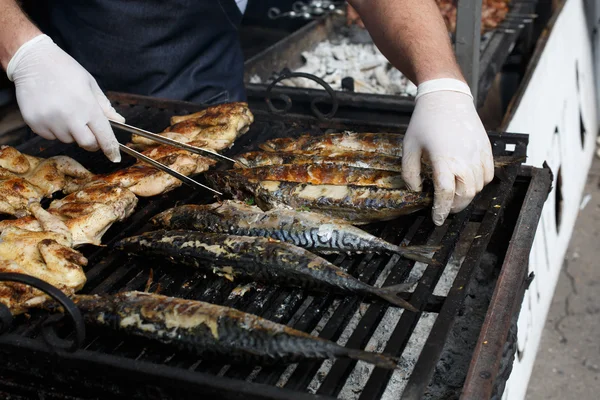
x=256, y=258
x=207, y=328
x=309, y=230
x=325, y=174
x=381, y=143
x=353, y=204
x=380, y=162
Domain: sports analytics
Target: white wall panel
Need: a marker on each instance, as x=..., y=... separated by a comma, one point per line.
x=560, y=95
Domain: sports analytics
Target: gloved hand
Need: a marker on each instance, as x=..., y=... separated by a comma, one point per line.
x=60, y=100
x=446, y=130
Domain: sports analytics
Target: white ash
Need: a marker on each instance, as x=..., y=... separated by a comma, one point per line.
x=343, y=339
x=325, y=318
x=447, y=279
x=410, y=356
x=362, y=371
x=253, y=374
x=333, y=61
x=286, y=375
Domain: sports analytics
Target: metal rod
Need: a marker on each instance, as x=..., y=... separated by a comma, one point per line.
x=187, y=180
x=468, y=38
x=167, y=141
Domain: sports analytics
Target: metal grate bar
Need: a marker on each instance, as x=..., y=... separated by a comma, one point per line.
x=379, y=378
x=423, y=370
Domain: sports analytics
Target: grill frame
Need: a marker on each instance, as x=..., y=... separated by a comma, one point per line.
x=26, y=354
x=396, y=109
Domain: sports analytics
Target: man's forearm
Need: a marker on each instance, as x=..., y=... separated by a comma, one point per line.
x=412, y=35
x=15, y=29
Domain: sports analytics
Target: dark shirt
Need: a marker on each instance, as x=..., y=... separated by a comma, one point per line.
x=176, y=49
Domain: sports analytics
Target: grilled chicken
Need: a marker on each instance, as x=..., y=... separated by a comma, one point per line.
x=25, y=179
x=215, y=128
x=44, y=255
x=15, y=196
x=86, y=215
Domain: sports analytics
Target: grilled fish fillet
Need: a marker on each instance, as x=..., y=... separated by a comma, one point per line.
x=325, y=174
x=389, y=144
x=205, y=328
x=256, y=159
x=354, y=204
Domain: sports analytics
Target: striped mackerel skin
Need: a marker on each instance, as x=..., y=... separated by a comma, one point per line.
x=202, y=328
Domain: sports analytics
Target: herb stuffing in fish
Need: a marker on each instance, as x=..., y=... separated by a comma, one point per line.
x=205, y=328
x=257, y=259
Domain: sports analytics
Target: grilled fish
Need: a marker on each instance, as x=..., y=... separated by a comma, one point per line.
x=356, y=205
x=256, y=258
x=309, y=230
x=325, y=174
x=381, y=143
x=381, y=162
x=255, y=159
x=208, y=328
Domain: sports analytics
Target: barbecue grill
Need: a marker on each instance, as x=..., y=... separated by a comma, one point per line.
x=460, y=342
x=286, y=54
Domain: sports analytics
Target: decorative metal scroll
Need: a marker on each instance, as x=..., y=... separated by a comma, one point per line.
x=286, y=74
x=308, y=10
x=51, y=325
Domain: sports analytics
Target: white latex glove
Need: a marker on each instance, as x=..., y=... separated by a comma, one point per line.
x=60, y=100
x=446, y=130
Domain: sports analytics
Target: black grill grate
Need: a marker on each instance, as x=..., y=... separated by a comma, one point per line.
x=175, y=374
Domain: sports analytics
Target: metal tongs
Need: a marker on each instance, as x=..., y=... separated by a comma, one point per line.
x=165, y=140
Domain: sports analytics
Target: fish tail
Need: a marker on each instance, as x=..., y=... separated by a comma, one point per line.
x=418, y=253
x=390, y=293
x=379, y=360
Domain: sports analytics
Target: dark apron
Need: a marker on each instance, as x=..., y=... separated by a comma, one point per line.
x=176, y=49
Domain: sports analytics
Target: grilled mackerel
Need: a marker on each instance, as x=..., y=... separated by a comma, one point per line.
x=308, y=230
x=257, y=259
x=325, y=174
x=353, y=204
x=205, y=328
x=381, y=162
x=381, y=143
x=366, y=161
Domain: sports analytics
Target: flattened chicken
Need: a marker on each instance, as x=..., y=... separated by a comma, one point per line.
x=83, y=216
x=15, y=196
x=145, y=181
x=58, y=173
x=15, y=161
x=121, y=200
x=44, y=255
x=25, y=179
x=215, y=128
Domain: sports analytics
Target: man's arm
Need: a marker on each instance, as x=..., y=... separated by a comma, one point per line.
x=444, y=128
x=412, y=35
x=57, y=97
x=15, y=30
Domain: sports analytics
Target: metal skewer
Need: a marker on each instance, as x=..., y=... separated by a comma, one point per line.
x=187, y=180
x=170, y=142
